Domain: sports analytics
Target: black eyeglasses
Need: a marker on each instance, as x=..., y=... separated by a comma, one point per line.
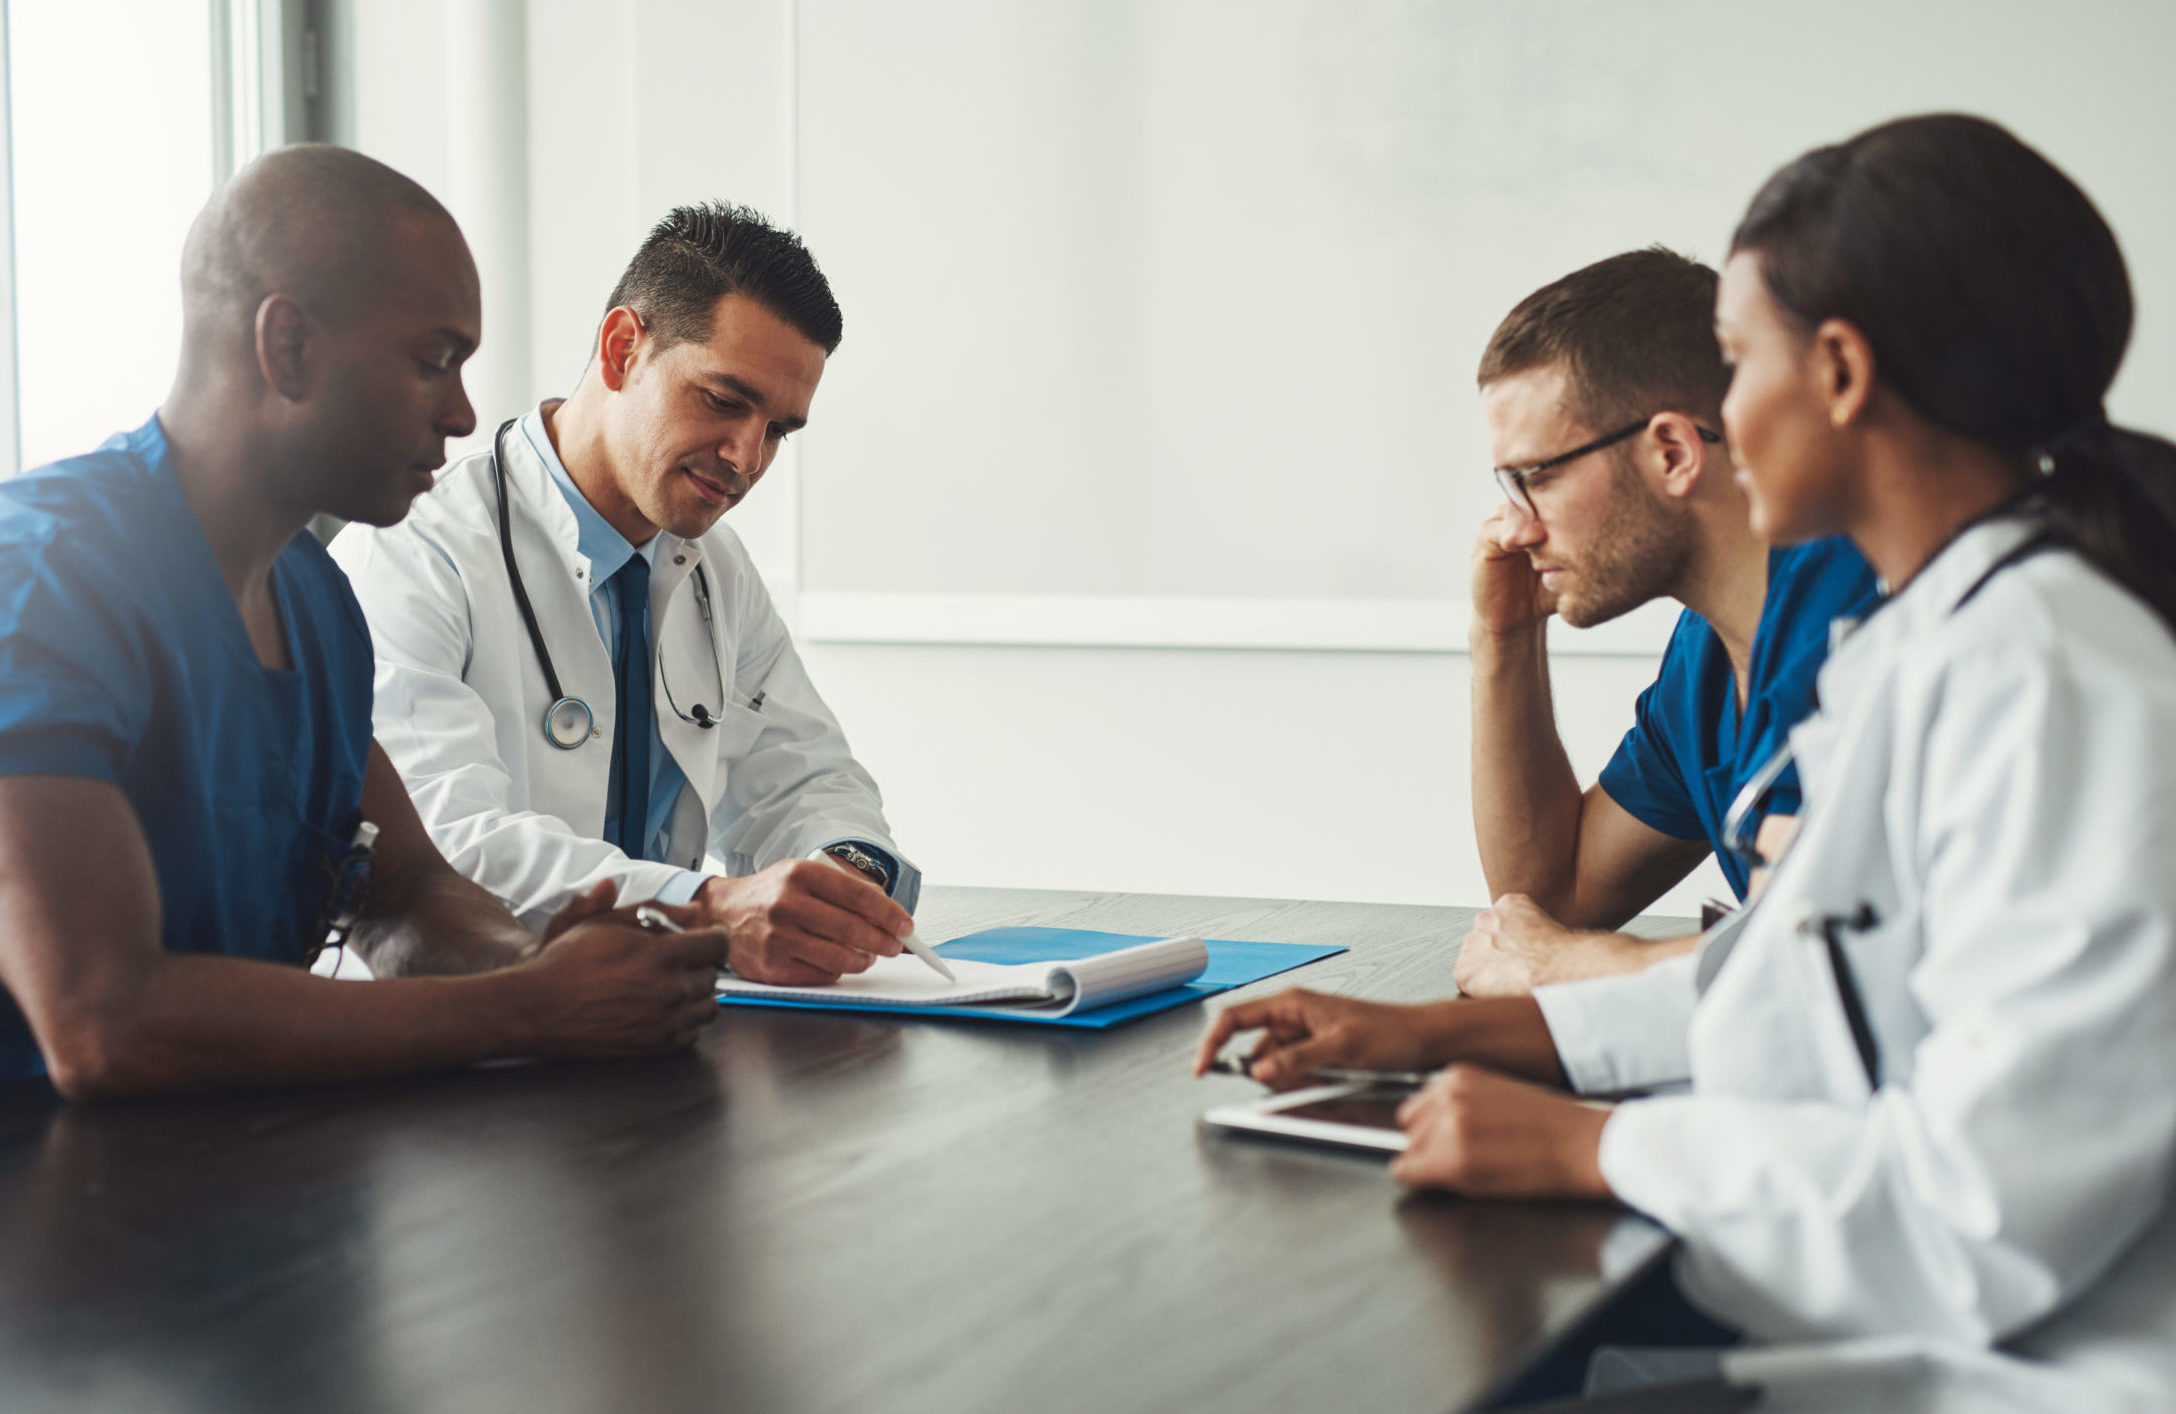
x=1513, y=479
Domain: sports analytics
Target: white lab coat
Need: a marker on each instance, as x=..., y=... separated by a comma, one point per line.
x=461, y=698
x=1998, y=783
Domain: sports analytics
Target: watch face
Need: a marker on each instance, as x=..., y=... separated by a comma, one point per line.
x=861, y=862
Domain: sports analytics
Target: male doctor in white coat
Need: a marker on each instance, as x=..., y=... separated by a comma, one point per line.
x=579, y=672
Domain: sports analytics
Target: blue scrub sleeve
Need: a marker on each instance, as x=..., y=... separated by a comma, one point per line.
x=1643, y=777
x=72, y=693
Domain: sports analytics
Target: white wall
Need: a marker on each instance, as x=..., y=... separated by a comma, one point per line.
x=1484, y=149
x=1281, y=774
x=1183, y=299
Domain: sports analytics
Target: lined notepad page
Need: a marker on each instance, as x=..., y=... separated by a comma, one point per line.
x=1054, y=988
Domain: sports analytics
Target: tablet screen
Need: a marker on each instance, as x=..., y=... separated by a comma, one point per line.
x=1375, y=1108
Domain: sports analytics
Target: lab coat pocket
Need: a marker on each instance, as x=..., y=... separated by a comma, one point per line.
x=1866, y=1024
x=1879, y=958
x=744, y=777
x=738, y=728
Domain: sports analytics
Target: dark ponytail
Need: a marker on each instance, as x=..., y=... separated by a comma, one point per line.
x=1997, y=305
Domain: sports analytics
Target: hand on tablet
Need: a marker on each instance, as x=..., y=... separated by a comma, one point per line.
x=1489, y=1136
x=1305, y=1031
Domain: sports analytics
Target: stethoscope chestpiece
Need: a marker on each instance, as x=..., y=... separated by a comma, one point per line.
x=568, y=723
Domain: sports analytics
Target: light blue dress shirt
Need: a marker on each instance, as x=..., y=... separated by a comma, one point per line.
x=607, y=550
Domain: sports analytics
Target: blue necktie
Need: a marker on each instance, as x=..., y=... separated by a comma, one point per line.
x=631, y=739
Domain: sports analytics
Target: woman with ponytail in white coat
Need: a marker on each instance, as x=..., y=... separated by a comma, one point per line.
x=1925, y=1153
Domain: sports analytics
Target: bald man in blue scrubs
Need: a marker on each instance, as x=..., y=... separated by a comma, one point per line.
x=188, y=785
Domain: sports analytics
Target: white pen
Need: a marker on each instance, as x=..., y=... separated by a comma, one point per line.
x=655, y=920
x=927, y=954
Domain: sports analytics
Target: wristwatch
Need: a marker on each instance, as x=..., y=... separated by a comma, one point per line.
x=854, y=857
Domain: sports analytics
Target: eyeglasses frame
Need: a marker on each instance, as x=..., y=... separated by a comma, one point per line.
x=1512, y=479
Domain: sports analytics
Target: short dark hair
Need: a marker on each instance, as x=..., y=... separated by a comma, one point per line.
x=1635, y=334
x=700, y=254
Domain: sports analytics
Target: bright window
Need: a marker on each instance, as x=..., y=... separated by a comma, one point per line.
x=110, y=108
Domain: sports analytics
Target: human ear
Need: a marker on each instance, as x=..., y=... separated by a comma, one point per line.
x=1685, y=456
x=287, y=347
x=1841, y=364
x=618, y=339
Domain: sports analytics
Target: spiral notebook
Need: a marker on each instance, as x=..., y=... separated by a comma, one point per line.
x=1041, y=988
x=1069, y=977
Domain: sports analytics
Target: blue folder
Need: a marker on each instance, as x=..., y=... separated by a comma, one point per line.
x=1230, y=965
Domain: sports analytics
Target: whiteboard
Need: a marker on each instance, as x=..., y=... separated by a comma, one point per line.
x=1183, y=299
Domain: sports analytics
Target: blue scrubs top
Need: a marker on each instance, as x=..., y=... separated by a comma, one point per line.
x=123, y=658
x=1690, y=749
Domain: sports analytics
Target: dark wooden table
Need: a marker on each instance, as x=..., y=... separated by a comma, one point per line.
x=811, y=1212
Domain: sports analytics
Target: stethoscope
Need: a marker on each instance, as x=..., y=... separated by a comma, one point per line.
x=568, y=722
x=1739, y=822
x=1829, y=929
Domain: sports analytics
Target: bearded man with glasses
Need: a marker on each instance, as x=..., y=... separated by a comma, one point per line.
x=1602, y=394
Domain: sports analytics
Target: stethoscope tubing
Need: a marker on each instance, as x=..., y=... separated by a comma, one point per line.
x=568, y=721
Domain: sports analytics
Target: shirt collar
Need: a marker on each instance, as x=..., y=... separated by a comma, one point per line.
x=148, y=441
x=595, y=539
x=1922, y=606
x=1932, y=594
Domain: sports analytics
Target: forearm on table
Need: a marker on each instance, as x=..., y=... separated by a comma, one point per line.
x=197, y=1022
x=1612, y=953
x=1526, y=797
x=439, y=924
x=1503, y=1033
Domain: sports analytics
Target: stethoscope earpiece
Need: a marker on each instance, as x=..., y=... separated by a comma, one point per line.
x=703, y=718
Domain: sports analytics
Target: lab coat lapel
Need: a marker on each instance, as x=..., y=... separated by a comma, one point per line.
x=559, y=577
x=686, y=666
x=1846, y=831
